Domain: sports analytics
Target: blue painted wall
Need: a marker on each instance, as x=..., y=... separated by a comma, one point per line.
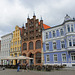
x=59, y=56
x=50, y=46
x=58, y=44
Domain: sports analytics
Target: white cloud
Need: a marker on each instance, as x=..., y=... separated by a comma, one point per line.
x=15, y=12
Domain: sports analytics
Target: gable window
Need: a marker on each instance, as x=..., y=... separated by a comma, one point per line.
x=47, y=58
x=47, y=47
x=68, y=28
x=15, y=48
x=72, y=28
x=55, y=58
x=61, y=32
x=46, y=35
x=38, y=44
x=30, y=45
x=73, y=42
x=54, y=45
x=62, y=44
x=63, y=57
x=53, y=33
x=25, y=46
x=70, y=43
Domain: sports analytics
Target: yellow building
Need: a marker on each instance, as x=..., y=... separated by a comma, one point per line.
x=15, y=49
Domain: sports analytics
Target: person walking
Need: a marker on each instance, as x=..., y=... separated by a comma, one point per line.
x=18, y=66
x=27, y=66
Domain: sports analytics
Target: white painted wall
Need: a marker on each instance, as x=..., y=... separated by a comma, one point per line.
x=5, y=46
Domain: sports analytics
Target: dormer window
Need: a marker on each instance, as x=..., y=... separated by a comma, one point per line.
x=68, y=28
x=61, y=32
x=53, y=33
x=46, y=35
x=72, y=28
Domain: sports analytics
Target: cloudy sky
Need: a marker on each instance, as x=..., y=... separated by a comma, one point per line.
x=15, y=12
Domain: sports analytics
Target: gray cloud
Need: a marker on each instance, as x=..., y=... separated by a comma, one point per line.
x=15, y=12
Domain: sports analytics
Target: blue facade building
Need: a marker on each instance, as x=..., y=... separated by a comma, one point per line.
x=59, y=43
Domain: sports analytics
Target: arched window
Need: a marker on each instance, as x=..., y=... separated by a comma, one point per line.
x=25, y=46
x=30, y=45
x=38, y=44
x=38, y=57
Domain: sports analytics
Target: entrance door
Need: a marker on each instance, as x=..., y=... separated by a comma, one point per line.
x=31, y=60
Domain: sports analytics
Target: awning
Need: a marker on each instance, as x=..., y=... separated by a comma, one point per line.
x=16, y=58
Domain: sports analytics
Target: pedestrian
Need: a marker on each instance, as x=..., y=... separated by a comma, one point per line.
x=27, y=66
x=18, y=66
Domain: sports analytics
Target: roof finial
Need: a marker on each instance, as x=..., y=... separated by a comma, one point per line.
x=66, y=14
x=41, y=17
x=34, y=14
x=23, y=25
x=28, y=15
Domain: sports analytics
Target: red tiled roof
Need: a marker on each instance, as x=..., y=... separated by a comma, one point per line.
x=45, y=26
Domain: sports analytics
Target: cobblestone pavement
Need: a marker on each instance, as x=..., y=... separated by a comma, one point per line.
x=22, y=72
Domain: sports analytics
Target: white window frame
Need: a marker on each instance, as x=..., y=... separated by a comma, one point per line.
x=73, y=41
x=53, y=46
x=54, y=58
x=63, y=43
x=55, y=33
x=46, y=35
x=64, y=56
x=63, y=31
x=73, y=27
x=46, y=58
x=67, y=28
x=46, y=46
x=71, y=57
x=68, y=43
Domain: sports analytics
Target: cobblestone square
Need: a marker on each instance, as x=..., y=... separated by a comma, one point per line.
x=23, y=72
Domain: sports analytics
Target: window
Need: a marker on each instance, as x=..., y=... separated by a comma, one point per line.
x=20, y=48
x=62, y=44
x=47, y=58
x=73, y=56
x=15, y=48
x=25, y=46
x=47, y=47
x=72, y=28
x=55, y=57
x=68, y=28
x=73, y=42
x=19, y=54
x=63, y=57
x=53, y=33
x=61, y=32
x=30, y=45
x=11, y=49
x=46, y=35
x=54, y=45
x=70, y=43
x=15, y=54
x=38, y=44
